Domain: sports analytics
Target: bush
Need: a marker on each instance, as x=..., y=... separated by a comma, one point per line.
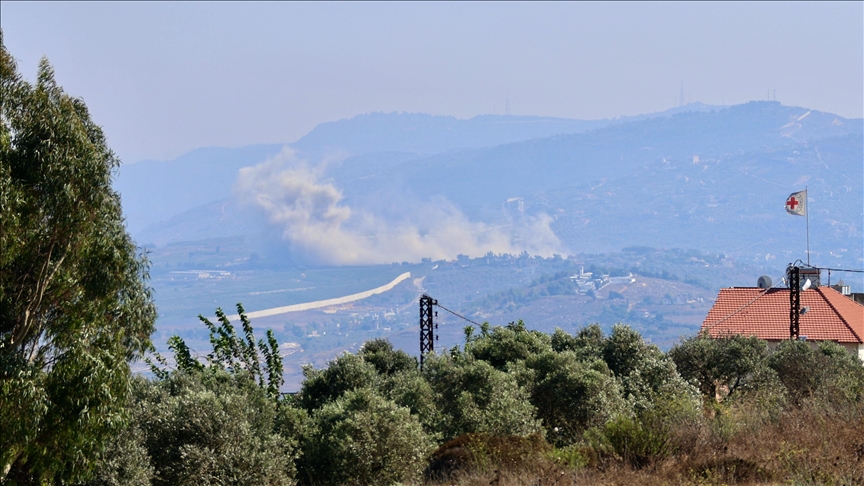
x=571, y=395
x=509, y=344
x=481, y=453
x=719, y=366
x=363, y=438
x=210, y=428
x=588, y=344
x=387, y=361
x=346, y=373
x=647, y=376
x=124, y=461
x=475, y=397
x=410, y=390
x=629, y=439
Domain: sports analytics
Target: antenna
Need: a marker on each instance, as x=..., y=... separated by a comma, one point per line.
x=681, y=96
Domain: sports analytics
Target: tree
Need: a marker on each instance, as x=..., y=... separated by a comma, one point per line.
x=588, y=344
x=74, y=304
x=362, y=438
x=231, y=353
x=828, y=373
x=509, y=344
x=720, y=366
x=346, y=373
x=207, y=427
x=476, y=397
x=647, y=376
x=572, y=395
x=386, y=360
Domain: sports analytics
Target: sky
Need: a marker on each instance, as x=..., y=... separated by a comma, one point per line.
x=165, y=78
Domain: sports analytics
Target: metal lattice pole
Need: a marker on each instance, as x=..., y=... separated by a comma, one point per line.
x=427, y=326
x=794, y=302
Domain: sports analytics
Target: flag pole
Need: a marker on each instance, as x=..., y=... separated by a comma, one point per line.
x=807, y=214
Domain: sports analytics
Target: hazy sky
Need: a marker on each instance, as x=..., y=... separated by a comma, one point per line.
x=164, y=78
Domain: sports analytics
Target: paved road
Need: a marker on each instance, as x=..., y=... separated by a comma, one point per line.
x=325, y=303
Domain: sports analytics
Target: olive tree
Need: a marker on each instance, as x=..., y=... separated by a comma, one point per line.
x=362, y=438
x=719, y=366
x=474, y=396
x=572, y=395
x=74, y=304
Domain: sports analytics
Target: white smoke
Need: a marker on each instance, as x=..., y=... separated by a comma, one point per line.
x=312, y=219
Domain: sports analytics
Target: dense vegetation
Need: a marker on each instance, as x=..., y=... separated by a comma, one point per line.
x=512, y=403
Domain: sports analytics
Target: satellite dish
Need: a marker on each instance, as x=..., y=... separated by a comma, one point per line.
x=764, y=282
x=806, y=285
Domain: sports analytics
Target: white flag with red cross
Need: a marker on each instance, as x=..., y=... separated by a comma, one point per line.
x=796, y=203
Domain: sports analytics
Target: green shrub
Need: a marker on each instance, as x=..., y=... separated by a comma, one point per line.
x=211, y=428
x=571, y=395
x=647, y=376
x=346, y=373
x=629, y=439
x=124, y=461
x=409, y=389
x=572, y=456
x=475, y=397
x=509, y=344
x=587, y=344
x=387, y=361
x=363, y=438
x=483, y=453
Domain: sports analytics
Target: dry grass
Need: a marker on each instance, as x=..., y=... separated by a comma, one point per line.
x=808, y=445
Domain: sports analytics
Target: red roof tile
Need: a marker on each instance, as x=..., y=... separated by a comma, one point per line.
x=752, y=311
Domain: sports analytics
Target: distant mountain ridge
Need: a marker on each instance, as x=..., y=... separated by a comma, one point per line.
x=472, y=178
x=425, y=134
x=155, y=191
x=705, y=178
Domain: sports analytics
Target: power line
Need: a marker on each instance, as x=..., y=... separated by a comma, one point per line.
x=840, y=270
x=745, y=305
x=458, y=315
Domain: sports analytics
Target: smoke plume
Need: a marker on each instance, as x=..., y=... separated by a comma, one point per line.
x=313, y=219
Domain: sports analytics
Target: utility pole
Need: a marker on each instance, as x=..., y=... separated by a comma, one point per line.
x=794, y=277
x=427, y=326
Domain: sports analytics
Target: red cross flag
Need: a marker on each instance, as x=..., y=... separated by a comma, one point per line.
x=796, y=203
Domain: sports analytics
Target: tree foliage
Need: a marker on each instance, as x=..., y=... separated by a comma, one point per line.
x=719, y=366
x=474, y=396
x=364, y=439
x=74, y=304
x=231, y=353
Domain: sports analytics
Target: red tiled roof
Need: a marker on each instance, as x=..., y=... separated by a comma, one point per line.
x=752, y=311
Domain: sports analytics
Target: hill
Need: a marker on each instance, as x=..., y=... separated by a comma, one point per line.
x=706, y=179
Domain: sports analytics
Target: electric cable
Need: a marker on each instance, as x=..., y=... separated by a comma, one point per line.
x=745, y=305
x=458, y=315
x=839, y=270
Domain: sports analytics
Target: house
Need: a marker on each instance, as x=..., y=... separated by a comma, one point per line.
x=826, y=315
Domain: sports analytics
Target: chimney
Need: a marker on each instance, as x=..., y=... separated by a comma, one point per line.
x=812, y=274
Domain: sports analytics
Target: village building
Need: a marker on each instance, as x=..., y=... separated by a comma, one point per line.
x=826, y=314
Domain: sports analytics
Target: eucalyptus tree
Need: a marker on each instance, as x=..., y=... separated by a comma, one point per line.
x=75, y=307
